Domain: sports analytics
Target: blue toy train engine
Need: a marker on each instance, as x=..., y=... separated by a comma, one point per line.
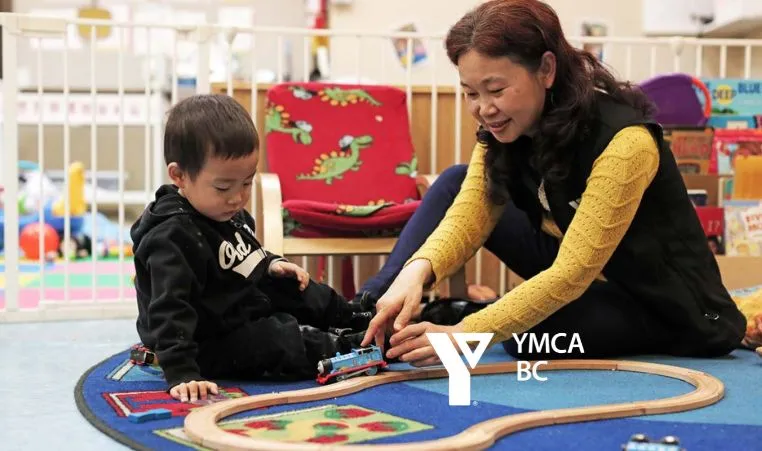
x=343, y=366
x=640, y=442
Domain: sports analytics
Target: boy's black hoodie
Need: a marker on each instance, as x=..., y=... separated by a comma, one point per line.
x=195, y=278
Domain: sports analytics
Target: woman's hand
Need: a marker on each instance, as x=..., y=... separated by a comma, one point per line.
x=399, y=302
x=412, y=346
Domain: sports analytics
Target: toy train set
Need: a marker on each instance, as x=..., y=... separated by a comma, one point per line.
x=640, y=442
x=343, y=366
x=202, y=425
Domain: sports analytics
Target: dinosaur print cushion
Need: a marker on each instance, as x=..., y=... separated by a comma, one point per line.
x=342, y=144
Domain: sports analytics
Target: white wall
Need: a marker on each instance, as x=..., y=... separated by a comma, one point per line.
x=375, y=58
x=623, y=18
x=286, y=13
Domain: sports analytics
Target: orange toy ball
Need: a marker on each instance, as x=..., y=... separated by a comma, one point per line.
x=29, y=241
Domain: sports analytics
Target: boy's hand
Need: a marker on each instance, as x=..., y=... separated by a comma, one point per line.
x=288, y=269
x=193, y=390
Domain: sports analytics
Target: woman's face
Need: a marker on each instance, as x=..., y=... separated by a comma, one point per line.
x=503, y=96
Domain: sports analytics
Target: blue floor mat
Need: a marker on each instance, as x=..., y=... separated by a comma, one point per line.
x=113, y=388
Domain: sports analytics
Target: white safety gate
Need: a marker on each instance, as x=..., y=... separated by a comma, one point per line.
x=117, y=109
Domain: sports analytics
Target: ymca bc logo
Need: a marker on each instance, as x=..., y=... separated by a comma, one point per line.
x=459, y=377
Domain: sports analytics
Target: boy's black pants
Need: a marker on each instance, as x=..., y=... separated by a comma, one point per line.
x=305, y=328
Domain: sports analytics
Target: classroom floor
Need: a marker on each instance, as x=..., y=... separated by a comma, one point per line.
x=41, y=363
x=83, y=279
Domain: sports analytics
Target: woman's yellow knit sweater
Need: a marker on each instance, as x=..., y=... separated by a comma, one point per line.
x=615, y=187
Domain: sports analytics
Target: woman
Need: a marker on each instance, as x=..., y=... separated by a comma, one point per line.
x=572, y=186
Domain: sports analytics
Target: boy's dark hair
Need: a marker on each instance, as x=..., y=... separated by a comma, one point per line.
x=204, y=125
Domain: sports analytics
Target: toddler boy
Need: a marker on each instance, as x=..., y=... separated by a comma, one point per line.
x=212, y=303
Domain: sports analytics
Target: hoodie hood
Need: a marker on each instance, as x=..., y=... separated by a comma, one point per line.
x=168, y=203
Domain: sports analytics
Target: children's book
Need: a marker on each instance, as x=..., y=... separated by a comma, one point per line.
x=743, y=227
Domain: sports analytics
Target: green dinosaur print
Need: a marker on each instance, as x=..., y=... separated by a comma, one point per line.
x=335, y=96
x=343, y=97
x=406, y=168
x=361, y=210
x=289, y=223
x=333, y=166
x=277, y=120
x=302, y=93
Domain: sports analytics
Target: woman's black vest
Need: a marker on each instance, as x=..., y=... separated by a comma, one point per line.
x=664, y=260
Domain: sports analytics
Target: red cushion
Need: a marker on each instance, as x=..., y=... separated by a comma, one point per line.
x=347, y=144
x=310, y=219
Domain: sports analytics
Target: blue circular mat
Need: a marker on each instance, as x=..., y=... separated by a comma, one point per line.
x=419, y=410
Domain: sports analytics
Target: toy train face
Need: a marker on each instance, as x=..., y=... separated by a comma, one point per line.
x=640, y=442
x=359, y=361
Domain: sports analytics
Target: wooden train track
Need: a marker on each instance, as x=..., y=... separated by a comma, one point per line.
x=201, y=424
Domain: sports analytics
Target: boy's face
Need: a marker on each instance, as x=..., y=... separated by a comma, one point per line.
x=221, y=189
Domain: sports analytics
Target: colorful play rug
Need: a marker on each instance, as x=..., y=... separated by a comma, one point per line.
x=413, y=411
x=50, y=283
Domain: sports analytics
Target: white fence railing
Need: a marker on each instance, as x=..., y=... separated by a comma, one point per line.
x=66, y=102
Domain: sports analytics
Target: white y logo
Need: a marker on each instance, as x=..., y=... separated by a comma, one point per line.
x=459, y=376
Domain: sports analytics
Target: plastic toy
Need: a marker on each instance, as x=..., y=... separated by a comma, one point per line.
x=363, y=360
x=150, y=415
x=675, y=98
x=76, y=190
x=30, y=198
x=140, y=355
x=29, y=241
x=640, y=442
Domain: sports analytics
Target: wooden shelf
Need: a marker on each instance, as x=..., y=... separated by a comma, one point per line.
x=739, y=28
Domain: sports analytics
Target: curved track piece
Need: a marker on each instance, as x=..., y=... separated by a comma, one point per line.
x=201, y=424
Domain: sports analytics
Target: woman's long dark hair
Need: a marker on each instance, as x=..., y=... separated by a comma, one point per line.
x=524, y=30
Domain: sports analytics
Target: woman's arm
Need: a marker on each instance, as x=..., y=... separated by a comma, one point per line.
x=614, y=190
x=466, y=225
